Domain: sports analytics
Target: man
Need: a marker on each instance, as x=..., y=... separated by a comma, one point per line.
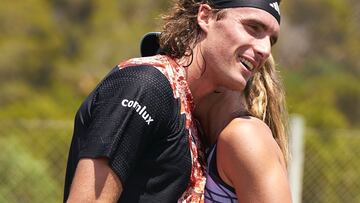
x=135, y=139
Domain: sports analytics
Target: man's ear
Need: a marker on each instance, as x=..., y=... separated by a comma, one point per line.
x=203, y=17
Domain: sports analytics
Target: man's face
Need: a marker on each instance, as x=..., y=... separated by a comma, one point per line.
x=238, y=44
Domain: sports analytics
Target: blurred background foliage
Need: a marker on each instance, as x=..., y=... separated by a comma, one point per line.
x=54, y=52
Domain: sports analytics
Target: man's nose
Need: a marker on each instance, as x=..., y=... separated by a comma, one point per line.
x=262, y=47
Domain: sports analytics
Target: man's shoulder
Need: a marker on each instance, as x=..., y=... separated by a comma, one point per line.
x=165, y=64
x=160, y=62
x=135, y=73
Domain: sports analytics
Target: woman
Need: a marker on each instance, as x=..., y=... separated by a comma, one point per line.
x=246, y=131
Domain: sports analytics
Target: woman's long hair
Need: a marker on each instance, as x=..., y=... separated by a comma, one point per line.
x=265, y=100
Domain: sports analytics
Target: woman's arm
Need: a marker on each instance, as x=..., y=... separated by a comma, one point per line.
x=249, y=159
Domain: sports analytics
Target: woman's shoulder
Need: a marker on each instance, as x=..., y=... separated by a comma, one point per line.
x=247, y=128
x=250, y=160
x=249, y=139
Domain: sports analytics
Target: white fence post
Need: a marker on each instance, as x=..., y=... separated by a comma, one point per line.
x=296, y=147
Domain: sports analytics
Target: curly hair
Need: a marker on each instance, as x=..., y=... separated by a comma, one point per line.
x=181, y=30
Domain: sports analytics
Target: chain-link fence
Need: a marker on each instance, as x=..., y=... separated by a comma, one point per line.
x=331, y=166
x=33, y=157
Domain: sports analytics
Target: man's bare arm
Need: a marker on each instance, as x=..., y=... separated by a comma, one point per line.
x=95, y=181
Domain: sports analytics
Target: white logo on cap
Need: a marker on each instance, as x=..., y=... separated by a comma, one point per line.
x=275, y=5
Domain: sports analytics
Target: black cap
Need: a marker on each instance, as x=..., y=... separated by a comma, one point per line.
x=150, y=45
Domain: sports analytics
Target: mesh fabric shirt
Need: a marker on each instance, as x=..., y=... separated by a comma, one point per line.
x=139, y=117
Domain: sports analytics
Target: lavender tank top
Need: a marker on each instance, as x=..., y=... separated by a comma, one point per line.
x=216, y=190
